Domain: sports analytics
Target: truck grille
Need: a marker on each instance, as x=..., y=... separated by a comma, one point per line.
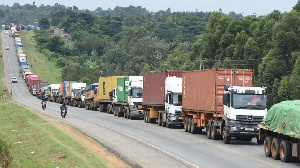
x=248, y=120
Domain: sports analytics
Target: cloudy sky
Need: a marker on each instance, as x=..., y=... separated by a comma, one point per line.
x=247, y=7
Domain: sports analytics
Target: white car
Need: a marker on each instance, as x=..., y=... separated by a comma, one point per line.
x=6, y=32
x=14, y=80
x=7, y=48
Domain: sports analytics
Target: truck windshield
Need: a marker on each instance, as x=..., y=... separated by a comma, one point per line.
x=249, y=101
x=177, y=99
x=137, y=93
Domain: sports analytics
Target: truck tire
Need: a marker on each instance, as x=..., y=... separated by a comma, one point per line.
x=159, y=120
x=115, y=111
x=208, y=130
x=87, y=106
x=267, y=146
x=193, y=126
x=167, y=123
x=189, y=125
x=225, y=136
x=285, y=151
x=100, y=107
x=275, y=148
x=185, y=124
x=214, y=132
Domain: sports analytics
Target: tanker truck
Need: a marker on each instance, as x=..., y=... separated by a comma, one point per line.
x=280, y=131
x=224, y=102
x=127, y=97
x=162, y=97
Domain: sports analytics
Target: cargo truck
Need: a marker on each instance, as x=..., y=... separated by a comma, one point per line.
x=67, y=89
x=91, y=97
x=127, y=97
x=280, y=131
x=32, y=86
x=53, y=90
x=39, y=86
x=23, y=62
x=106, y=85
x=44, y=93
x=31, y=77
x=224, y=102
x=162, y=98
x=78, y=94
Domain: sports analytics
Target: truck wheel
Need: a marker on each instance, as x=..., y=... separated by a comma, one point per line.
x=208, y=131
x=79, y=105
x=159, y=120
x=285, y=151
x=148, y=118
x=267, y=146
x=185, y=124
x=193, y=126
x=167, y=123
x=86, y=106
x=226, y=138
x=214, y=132
x=275, y=148
x=189, y=125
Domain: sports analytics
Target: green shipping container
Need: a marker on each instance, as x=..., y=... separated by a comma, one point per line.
x=122, y=89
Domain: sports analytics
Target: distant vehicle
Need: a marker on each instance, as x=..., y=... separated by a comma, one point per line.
x=6, y=32
x=7, y=48
x=14, y=80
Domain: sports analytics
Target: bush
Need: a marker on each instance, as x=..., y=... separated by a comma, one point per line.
x=5, y=156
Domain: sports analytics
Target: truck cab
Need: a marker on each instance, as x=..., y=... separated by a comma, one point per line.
x=135, y=96
x=173, y=102
x=244, y=109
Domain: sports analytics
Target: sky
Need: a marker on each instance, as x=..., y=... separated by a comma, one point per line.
x=246, y=7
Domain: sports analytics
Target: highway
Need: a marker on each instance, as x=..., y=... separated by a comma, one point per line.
x=138, y=143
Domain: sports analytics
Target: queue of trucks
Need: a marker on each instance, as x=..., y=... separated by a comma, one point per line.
x=223, y=102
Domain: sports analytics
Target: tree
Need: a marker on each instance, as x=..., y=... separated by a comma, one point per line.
x=44, y=23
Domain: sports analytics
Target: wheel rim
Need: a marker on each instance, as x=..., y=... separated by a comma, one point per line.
x=282, y=151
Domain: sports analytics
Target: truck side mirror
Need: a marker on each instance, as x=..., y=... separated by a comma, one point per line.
x=224, y=99
x=166, y=98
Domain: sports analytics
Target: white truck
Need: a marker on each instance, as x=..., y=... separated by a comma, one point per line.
x=77, y=88
x=162, y=98
x=52, y=91
x=127, y=97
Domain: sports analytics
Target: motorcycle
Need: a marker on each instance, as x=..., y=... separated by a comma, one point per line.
x=44, y=106
x=64, y=113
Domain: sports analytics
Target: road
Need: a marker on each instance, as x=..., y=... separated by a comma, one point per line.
x=138, y=143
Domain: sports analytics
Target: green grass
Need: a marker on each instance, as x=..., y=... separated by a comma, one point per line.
x=36, y=143
x=44, y=68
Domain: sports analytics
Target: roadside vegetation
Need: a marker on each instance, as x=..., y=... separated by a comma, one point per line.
x=42, y=66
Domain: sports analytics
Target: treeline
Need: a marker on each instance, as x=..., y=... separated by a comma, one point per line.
x=269, y=45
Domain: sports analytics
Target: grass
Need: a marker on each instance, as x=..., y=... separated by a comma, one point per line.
x=41, y=66
x=37, y=143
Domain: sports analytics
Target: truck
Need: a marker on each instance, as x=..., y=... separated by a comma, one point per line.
x=106, y=85
x=53, y=90
x=31, y=77
x=32, y=86
x=127, y=97
x=78, y=94
x=161, y=98
x=23, y=62
x=67, y=89
x=26, y=74
x=39, y=86
x=44, y=93
x=91, y=97
x=16, y=34
x=224, y=102
x=280, y=131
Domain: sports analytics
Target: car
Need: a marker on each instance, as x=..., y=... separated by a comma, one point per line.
x=14, y=80
x=7, y=48
x=6, y=32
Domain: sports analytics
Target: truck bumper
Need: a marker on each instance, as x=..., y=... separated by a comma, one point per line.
x=243, y=129
x=137, y=114
x=175, y=120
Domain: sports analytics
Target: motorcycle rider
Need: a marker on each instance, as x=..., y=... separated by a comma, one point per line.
x=63, y=106
x=43, y=103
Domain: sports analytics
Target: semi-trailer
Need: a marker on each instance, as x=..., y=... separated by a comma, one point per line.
x=78, y=94
x=67, y=89
x=106, y=86
x=53, y=90
x=280, y=131
x=162, y=98
x=31, y=77
x=39, y=86
x=224, y=102
x=127, y=97
x=32, y=86
x=91, y=97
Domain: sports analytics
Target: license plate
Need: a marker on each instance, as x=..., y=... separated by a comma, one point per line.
x=249, y=129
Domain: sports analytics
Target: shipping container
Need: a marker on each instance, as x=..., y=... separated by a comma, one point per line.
x=122, y=89
x=203, y=90
x=153, y=86
x=106, y=85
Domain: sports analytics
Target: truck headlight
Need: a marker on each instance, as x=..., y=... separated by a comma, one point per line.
x=234, y=129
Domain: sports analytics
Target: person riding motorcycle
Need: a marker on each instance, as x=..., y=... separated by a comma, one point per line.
x=62, y=107
x=43, y=103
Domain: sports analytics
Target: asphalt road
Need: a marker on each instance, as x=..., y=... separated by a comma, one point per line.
x=138, y=143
